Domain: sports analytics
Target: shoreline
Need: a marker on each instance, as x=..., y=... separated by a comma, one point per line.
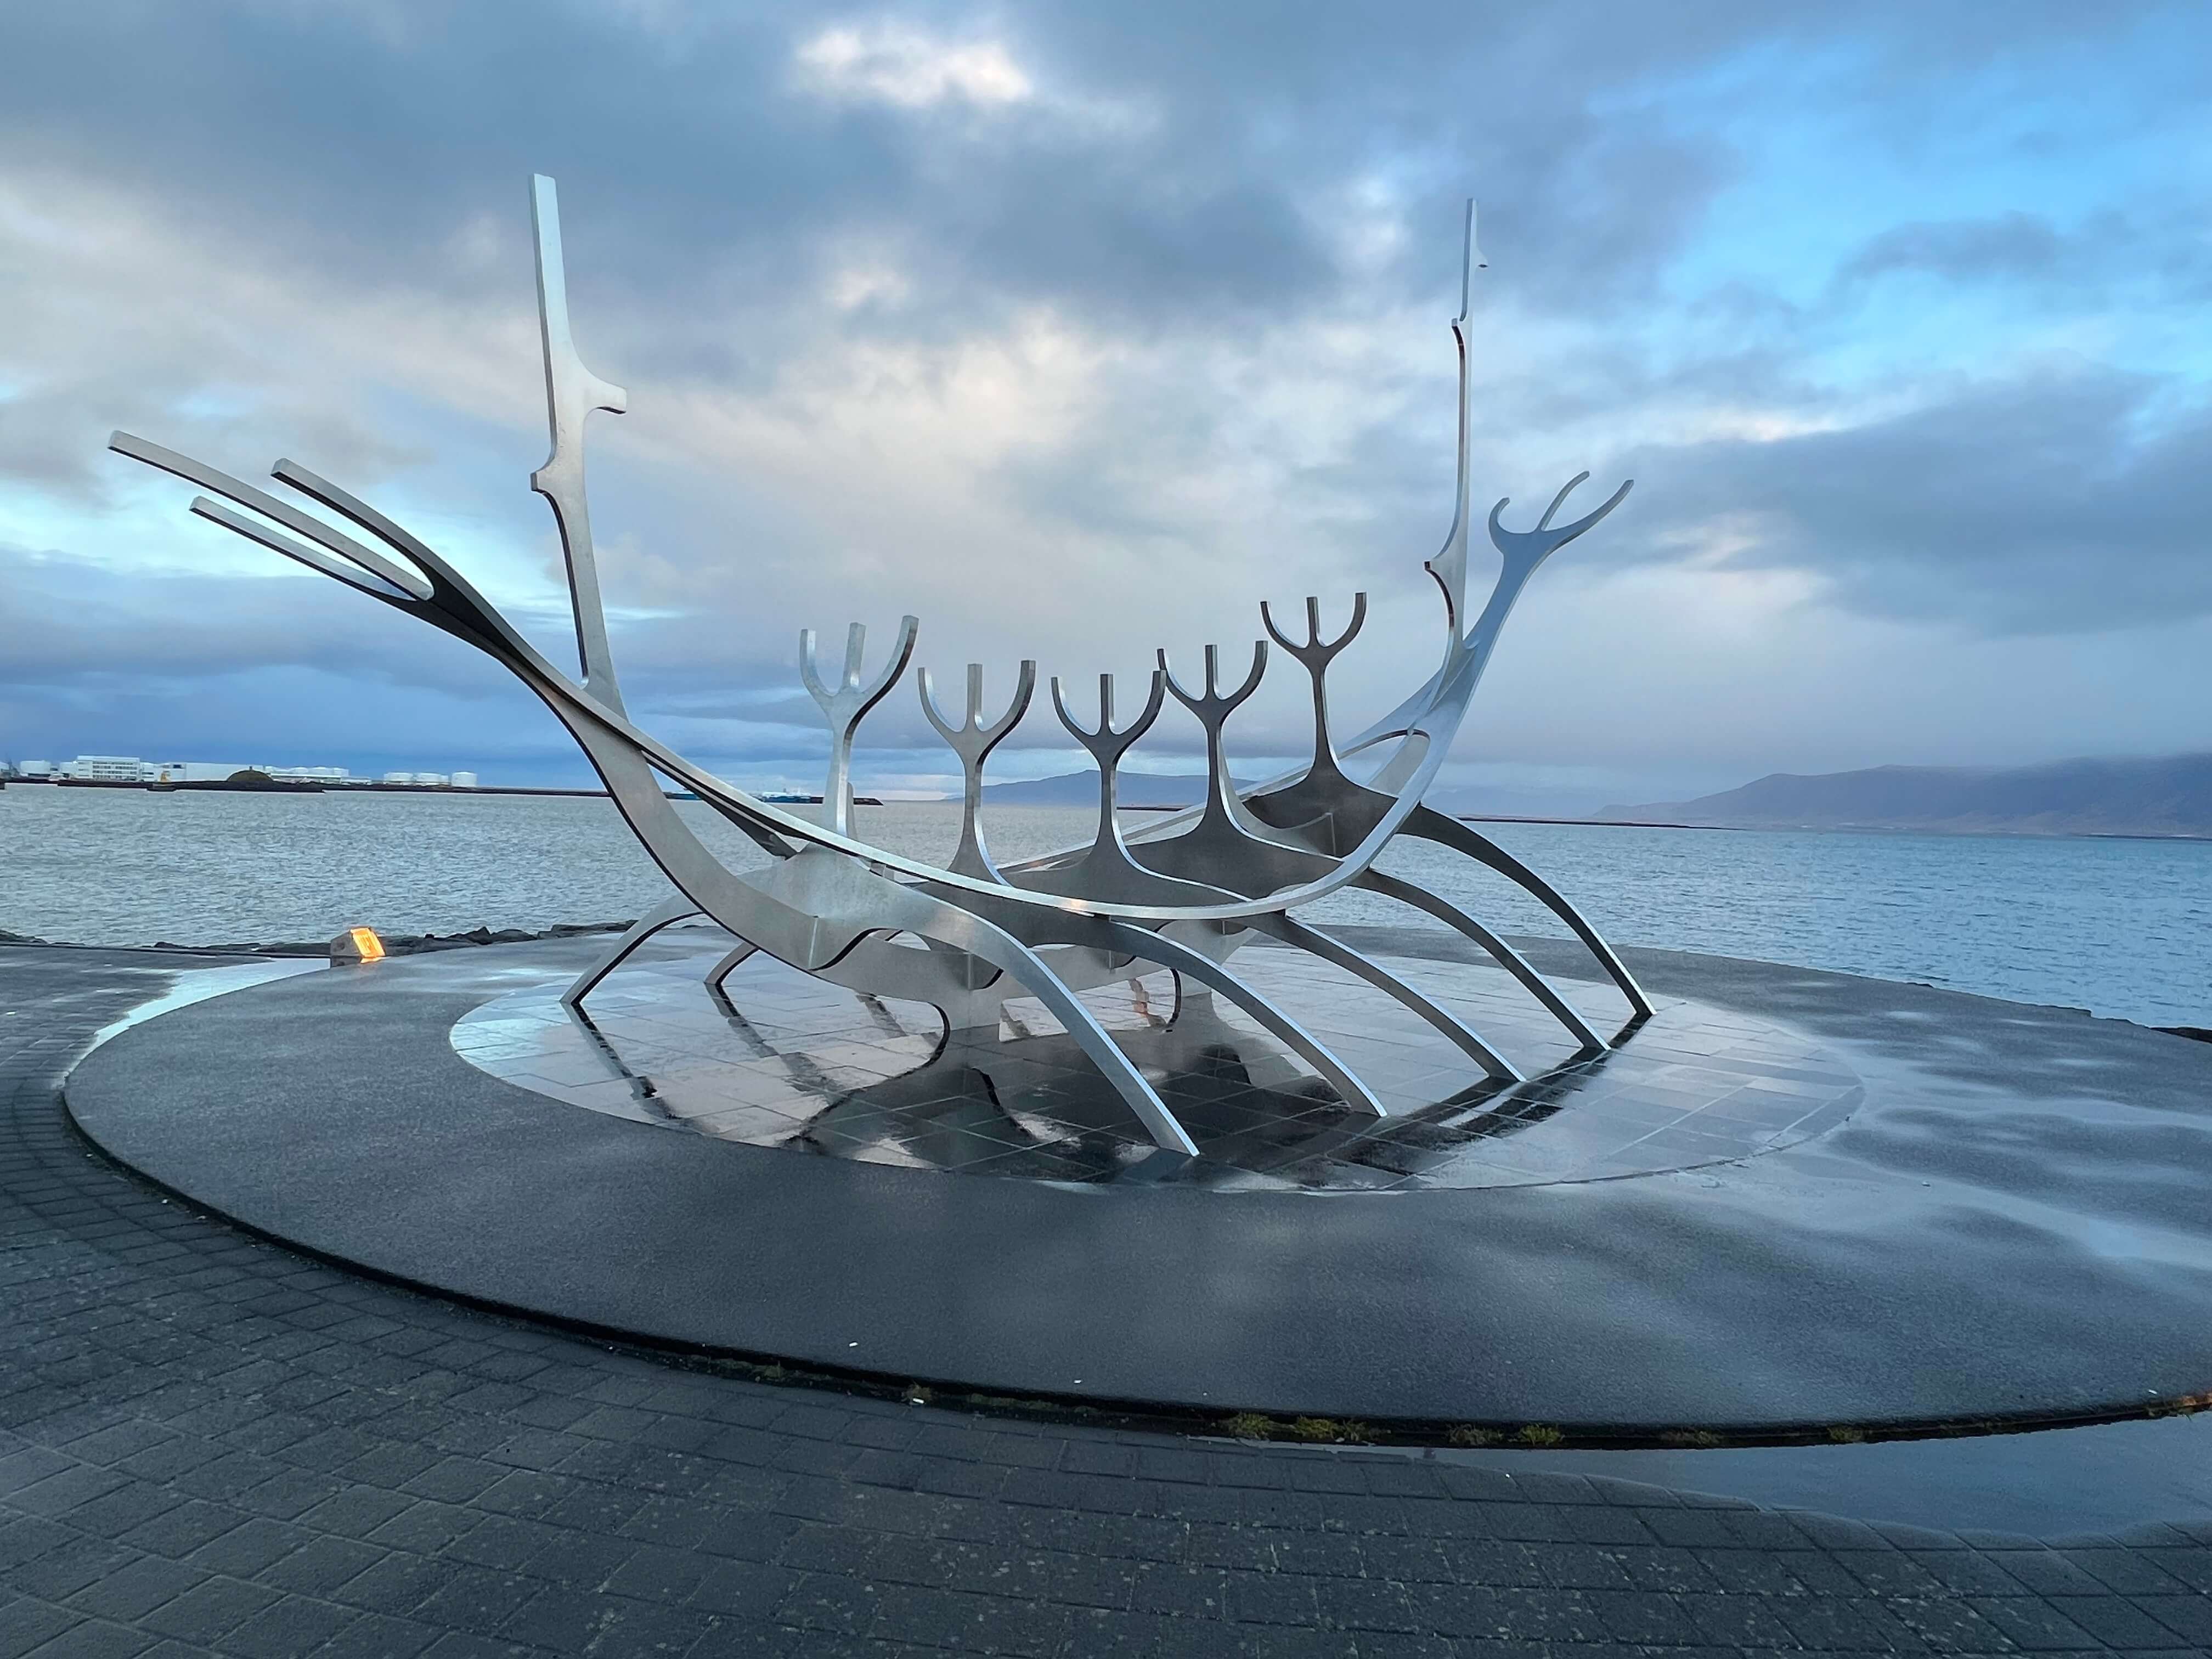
x=1947, y=832
x=1846, y=828
x=395, y=944
x=406, y=945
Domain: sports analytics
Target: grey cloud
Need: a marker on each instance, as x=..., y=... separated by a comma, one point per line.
x=68, y=620
x=189, y=663
x=2057, y=502
x=364, y=149
x=708, y=203
x=2107, y=248
x=52, y=437
x=366, y=140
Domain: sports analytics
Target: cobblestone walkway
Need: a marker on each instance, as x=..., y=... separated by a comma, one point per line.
x=210, y=1444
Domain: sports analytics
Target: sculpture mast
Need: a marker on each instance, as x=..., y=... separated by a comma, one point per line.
x=1449, y=565
x=572, y=392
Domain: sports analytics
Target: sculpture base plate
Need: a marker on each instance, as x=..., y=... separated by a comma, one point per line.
x=776, y=1059
x=2009, y=1226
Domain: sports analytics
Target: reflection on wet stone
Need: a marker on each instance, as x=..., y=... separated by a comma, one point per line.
x=779, y=1060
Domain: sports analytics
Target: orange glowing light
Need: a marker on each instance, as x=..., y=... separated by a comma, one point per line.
x=357, y=945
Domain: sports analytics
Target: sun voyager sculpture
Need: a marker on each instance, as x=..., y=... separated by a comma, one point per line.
x=1184, y=894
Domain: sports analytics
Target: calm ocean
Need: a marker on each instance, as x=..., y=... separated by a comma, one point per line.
x=2120, y=927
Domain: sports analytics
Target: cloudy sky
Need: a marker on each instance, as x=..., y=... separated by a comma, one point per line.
x=1079, y=329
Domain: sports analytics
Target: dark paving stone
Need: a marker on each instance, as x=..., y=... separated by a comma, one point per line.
x=375, y=1637
x=211, y=1609
x=295, y=1626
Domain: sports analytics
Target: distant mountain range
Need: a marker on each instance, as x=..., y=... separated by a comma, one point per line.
x=1142, y=789
x=2168, y=797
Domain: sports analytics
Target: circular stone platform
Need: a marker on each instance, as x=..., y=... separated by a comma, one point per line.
x=780, y=1059
x=2011, y=1224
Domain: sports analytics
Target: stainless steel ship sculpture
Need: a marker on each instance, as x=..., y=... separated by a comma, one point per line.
x=1183, y=895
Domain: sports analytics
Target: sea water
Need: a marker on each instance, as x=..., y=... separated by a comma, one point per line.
x=2122, y=927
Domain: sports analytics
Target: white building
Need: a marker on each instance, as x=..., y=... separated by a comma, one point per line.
x=107, y=769
x=464, y=779
x=37, y=768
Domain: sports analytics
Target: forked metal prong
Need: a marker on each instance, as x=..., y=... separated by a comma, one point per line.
x=314, y=556
x=847, y=705
x=1314, y=645
x=856, y=645
x=307, y=527
x=1105, y=708
x=972, y=726
x=808, y=670
x=1213, y=697
x=1530, y=548
x=1519, y=552
x=973, y=740
x=1559, y=501
x=1352, y=628
x=1106, y=740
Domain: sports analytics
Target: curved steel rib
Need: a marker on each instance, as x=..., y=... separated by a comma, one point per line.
x=666, y=913
x=1432, y=825
x=1195, y=964
x=1229, y=848
x=1463, y=1036
x=1505, y=956
x=827, y=890
x=728, y=964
